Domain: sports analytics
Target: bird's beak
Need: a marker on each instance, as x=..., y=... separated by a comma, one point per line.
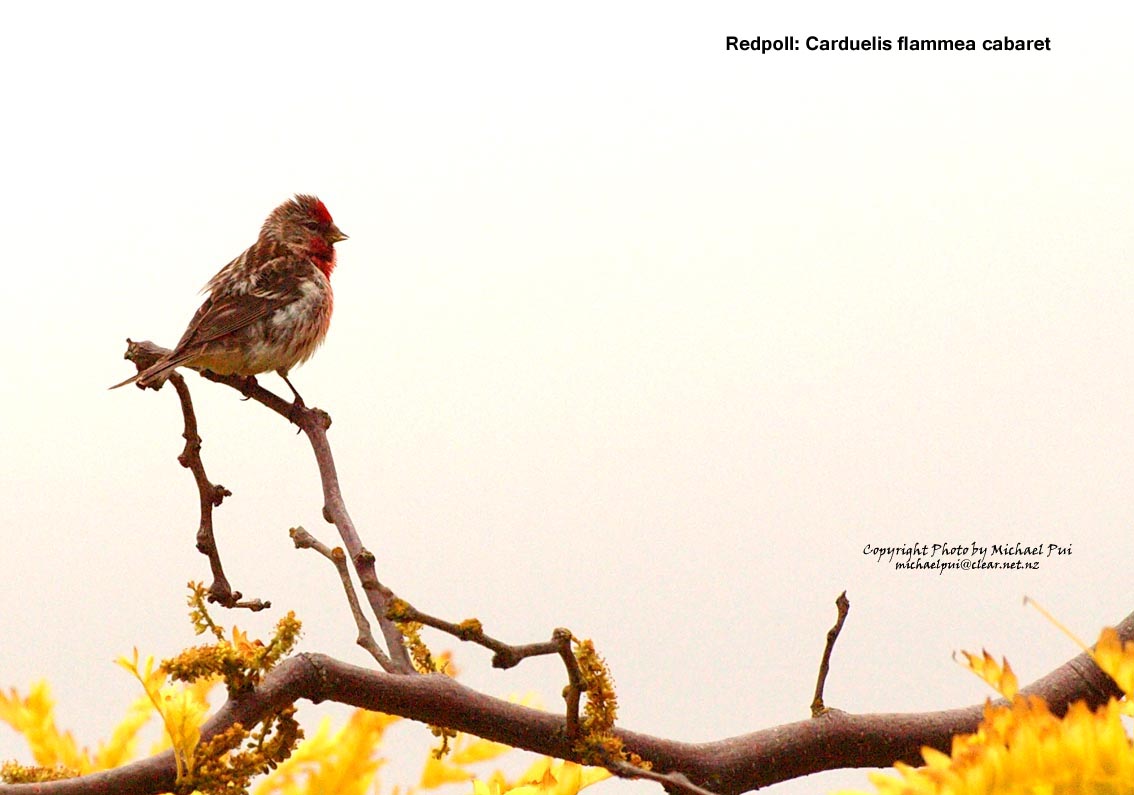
x=335, y=234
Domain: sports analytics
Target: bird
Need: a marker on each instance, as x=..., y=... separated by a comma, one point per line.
x=268, y=309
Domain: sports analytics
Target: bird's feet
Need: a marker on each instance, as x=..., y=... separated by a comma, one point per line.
x=298, y=400
x=298, y=407
x=249, y=385
x=296, y=412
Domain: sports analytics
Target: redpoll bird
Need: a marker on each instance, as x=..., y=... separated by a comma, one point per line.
x=269, y=308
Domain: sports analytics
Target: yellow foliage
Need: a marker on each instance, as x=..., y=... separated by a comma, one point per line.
x=601, y=708
x=438, y=771
x=34, y=717
x=999, y=676
x=1022, y=747
x=545, y=777
x=344, y=761
x=240, y=662
x=181, y=710
x=472, y=750
x=15, y=773
x=122, y=745
x=1116, y=659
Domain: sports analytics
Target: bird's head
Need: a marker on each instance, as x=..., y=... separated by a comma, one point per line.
x=304, y=225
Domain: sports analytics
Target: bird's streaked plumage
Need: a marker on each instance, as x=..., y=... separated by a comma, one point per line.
x=268, y=309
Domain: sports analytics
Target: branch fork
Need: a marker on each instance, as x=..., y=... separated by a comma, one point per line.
x=830, y=739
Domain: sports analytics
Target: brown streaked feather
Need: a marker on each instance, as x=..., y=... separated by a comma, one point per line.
x=161, y=368
x=219, y=317
x=240, y=328
x=213, y=320
x=272, y=287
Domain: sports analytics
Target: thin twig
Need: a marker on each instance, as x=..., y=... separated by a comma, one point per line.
x=678, y=782
x=314, y=423
x=334, y=511
x=211, y=495
x=506, y=655
x=843, y=605
x=304, y=540
x=576, y=685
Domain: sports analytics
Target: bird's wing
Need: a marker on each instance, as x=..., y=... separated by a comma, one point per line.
x=220, y=316
x=274, y=287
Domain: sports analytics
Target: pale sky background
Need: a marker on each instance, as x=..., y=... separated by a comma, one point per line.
x=632, y=335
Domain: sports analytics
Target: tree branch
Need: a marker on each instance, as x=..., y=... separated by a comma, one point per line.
x=211, y=496
x=831, y=740
x=365, y=639
x=729, y=766
x=314, y=423
x=507, y=656
x=842, y=604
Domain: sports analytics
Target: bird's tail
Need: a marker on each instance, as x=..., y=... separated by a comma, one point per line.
x=155, y=373
x=129, y=380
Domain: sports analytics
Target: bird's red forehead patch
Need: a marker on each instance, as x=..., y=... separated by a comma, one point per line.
x=319, y=210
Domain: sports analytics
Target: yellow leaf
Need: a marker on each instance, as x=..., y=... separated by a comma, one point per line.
x=999, y=676
x=438, y=772
x=1116, y=659
x=478, y=751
